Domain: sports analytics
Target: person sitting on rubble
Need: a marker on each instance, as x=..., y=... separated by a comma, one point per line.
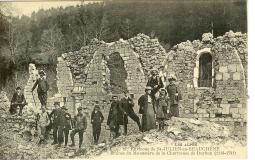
x=161, y=107
x=43, y=122
x=114, y=117
x=174, y=95
x=42, y=88
x=18, y=100
x=96, y=119
x=80, y=125
x=155, y=82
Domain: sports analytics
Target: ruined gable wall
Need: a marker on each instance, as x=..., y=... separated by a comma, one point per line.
x=228, y=79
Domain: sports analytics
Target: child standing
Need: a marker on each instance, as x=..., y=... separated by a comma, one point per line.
x=96, y=119
x=161, y=107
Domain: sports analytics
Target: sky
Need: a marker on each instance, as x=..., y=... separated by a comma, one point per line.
x=27, y=7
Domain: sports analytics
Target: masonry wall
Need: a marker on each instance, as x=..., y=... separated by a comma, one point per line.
x=226, y=99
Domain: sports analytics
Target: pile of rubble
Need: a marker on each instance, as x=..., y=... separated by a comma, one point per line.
x=150, y=51
x=5, y=103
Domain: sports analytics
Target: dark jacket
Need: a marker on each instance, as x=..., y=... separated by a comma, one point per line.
x=67, y=121
x=18, y=98
x=116, y=115
x=172, y=89
x=143, y=103
x=43, y=85
x=57, y=117
x=127, y=105
x=80, y=122
x=96, y=118
x=152, y=82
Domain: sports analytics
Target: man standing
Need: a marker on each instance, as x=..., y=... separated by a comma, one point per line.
x=42, y=88
x=127, y=104
x=96, y=119
x=114, y=117
x=67, y=124
x=146, y=103
x=43, y=122
x=55, y=116
x=155, y=82
x=174, y=96
x=80, y=125
x=18, y=100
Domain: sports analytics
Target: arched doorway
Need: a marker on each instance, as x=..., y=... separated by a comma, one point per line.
x=118, y=73
x=205, y=70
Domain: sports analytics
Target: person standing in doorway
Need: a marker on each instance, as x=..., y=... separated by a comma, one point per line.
x=96, y=119
x=146, y=103
x=42, y=88
x=80, y=125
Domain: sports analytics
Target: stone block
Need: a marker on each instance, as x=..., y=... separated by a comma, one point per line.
x=218, y=76
x=242, y=110
x=236, y=115
x=225, y=108
x=212, y=115
x=223, y=69
x=201, y=111
x=196, y=72
x=226, y=76
x=236, y=76
x=232, y=68
x=233, y=110
x=206, y=115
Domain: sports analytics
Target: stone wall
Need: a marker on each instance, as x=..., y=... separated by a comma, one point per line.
x=225, y=100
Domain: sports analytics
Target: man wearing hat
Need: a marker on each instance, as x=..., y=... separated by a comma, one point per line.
x=64, y=126
x=55, y=117
x=127, y=104
x=155, y=82
x=146, y=103
x=42, y=88
x=18, y=100
x=174, y=95
x=80, y=125
x=96, y=119
x=115, y=117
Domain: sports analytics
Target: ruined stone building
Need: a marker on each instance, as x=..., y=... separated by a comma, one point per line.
x=212, y=75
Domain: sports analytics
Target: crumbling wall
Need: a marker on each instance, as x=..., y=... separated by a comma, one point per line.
x=225, y=100
x=151, y=53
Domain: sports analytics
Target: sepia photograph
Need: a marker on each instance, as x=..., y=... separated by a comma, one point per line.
x=124, y=79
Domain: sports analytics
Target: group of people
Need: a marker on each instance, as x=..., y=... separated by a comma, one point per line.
x=158, y=104
x=154, y=109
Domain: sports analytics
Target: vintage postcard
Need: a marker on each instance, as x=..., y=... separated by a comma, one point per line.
x=130, y=79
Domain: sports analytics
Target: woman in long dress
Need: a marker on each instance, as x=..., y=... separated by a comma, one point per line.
x=146, y=103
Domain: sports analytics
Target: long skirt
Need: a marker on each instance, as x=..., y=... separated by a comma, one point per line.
x=148, y=118
x=174, y=109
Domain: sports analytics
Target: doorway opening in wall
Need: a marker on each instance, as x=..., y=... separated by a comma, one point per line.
x=205, y=70
x=118, y=73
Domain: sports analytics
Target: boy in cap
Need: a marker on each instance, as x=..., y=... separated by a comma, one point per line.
x=18, y=100
x=55, y=121
x=80, y=125
x=42, y=88
x=96, y=119
x=64, y=126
